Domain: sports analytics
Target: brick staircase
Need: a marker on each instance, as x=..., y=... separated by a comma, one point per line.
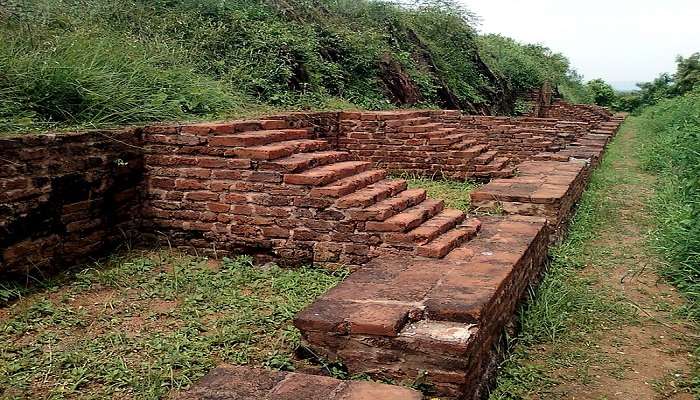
x=398, y=219
x=414, y=142
x=405, y=317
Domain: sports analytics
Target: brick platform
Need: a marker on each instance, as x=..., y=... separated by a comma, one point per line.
x=228, y=382
x=396, y=318
x=543, y=188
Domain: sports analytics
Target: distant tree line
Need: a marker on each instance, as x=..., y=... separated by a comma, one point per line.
x=665, y=86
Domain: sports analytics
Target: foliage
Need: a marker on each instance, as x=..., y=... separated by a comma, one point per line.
x=603, y=94
x=687, y=76
x=150, y=323
x=574, y=90
x=524, y=66
x=67, y=63
x=528, y=67
x=454, y=193
x=670, y=134
x=665, y=86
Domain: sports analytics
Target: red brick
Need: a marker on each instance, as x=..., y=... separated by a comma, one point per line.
x=190, y=184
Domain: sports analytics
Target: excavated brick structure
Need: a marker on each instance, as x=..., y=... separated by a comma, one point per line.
x=552, y=183
x=432, y=288
x=402, y=318
x=265, y=188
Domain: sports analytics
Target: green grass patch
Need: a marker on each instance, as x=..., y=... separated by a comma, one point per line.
x=669, y=136
x=149, y=323
x=455, y=194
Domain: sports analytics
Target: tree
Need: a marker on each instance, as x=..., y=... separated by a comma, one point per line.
x=688, y=74
x=603, y=94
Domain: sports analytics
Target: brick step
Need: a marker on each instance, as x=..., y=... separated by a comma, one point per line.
x=389, y=207
x=350, y=184
x=372, y=194
x=440, y=133
x=420, y=128
x=464, y=144
x=449, y=140
x=496, y=165
x=258, y=138
x=502, y=173
x=247, y=383
x=448, y=241
x=408, y=122
x=229, y=127
x=282, y=149
x=303, y=161
x=427, y=231
x=471, y=152
x=486, y=158
x=326, y=174
x=408, y=219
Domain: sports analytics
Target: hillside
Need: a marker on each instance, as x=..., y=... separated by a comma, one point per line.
x=70, y=63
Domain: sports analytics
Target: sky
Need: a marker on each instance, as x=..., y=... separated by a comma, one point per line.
x=620, y=41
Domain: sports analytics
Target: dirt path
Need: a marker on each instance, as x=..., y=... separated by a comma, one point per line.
x=604, y=325
x=649, y=357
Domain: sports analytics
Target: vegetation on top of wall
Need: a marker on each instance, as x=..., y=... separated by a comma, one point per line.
x=525, y=67
x=69, y=63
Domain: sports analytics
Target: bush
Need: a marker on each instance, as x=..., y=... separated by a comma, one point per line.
x=670, y=132
x=100, y=62
x=79, y=77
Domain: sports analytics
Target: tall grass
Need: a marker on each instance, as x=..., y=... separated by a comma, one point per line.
x=670, y=134
x=97, y=62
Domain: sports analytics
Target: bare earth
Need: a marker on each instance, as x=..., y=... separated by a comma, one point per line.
x=637, y=361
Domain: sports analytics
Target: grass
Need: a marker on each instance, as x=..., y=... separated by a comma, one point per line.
x=455, y=194
x=560, y=323
x=74, y=64
x=670, y=147
x=149, y=323
x=669, y=134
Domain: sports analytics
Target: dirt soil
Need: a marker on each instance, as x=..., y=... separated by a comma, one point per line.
x=649, y=359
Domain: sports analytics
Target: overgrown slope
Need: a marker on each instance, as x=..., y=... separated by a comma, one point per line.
x=100, y=62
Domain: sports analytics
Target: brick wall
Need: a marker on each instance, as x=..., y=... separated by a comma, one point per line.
x=430, y=143
x=449, y=144
x=579, y=112
x=217, y=194
x=65, y=197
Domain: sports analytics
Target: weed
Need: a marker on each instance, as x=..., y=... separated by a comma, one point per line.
x=150, y=323
x=455, y=194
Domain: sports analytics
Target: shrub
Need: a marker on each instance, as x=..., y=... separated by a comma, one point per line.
x=670, y=132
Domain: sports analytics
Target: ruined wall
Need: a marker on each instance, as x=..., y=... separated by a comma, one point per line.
x=427, y=143
x=65, y=197
x=210, y=189
x=449, y=144
x=579, y=112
